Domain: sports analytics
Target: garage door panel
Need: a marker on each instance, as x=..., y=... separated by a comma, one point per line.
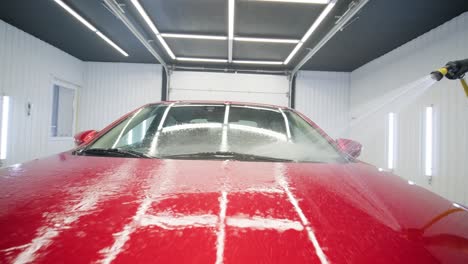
x=255, y=88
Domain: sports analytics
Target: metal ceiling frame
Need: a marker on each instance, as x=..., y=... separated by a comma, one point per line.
x=231, y=37
x=354, y=8
x=118, y=12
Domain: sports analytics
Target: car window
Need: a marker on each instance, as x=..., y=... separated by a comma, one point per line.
x=190, y=130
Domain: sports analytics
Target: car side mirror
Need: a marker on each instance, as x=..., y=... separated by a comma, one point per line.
x=84, y=137
x=350, y=147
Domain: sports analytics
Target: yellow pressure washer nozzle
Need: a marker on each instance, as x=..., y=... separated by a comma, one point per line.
x=439, y=74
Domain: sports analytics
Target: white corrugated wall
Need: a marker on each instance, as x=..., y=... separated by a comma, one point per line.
x=403, y=65
x=112, y=89
x=324, y=98
x=28, y=66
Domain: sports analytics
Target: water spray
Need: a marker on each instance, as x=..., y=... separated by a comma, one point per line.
x=453, y=70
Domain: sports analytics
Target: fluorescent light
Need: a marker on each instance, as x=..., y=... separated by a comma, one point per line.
x=153, y=27
x=295, y=50
x=322, y=2
x=319, y=20
x=4, y=136
x=231, y=6
x=201, y=59
x=91, y=27
x=391, y=141
x=145, y=16
x=268, y=40
x=192, y=36
x=428, y=142
x=110, y=42
x=257, y=62
x=231, y=19
x=166, y=47
x=411, y=183
x=73, y=13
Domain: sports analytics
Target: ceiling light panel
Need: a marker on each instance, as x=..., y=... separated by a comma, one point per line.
x=266, y=40
x=257, y=62
x=193, y=36
x=76, y=15
x=322, y=2
x=202, y=60
x=153, y=27
x=145, y=16
x=90, y=27
x=166, y=47
x=110, y=42
x=231, y=15
x=319, y=20
x=293, y=53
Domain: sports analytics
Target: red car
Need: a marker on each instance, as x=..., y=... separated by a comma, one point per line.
x=220, y=182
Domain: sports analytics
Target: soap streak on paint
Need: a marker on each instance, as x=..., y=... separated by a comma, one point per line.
x=261, y=223
x=109, y=182
x=158, y=186
x=281, y=180
x=221, y=234
x=171, y=222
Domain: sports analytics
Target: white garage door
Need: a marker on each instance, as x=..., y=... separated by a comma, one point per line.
x=255, y=88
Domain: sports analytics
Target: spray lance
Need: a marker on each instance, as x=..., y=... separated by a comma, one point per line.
x=453, y=70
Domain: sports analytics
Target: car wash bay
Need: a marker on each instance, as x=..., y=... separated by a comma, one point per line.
x=356, y=68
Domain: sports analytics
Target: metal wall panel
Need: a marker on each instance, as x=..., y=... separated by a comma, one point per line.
x=377, y=80
x=112, y=89
x=324, y=98
x=28, y=68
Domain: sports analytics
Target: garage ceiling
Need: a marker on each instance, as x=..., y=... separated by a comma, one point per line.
x=380, y=26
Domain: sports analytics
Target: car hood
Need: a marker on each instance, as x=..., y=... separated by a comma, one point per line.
x=70, y=208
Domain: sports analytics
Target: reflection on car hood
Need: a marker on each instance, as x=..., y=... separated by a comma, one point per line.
x=96, y=209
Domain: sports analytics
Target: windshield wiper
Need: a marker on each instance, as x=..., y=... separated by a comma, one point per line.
x=114, y=152
x=223, y=155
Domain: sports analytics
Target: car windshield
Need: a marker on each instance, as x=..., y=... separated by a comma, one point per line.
x=217, y=131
